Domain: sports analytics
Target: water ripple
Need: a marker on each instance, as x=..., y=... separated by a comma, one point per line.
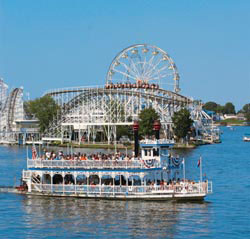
x=224, y=213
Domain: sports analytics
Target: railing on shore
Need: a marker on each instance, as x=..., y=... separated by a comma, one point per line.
x=90, y=164
x=157, y=141
x=187, y=188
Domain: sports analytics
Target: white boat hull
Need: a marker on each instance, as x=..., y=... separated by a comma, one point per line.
x=144, y=197
x=157, y=196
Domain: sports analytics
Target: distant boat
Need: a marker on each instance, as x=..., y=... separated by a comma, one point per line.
x=230, y=127
x=246, y=138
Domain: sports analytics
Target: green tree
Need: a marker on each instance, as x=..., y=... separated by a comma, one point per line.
x=124, y=130
x=146, y=121
x=182, y=123
x=44, y=109
x=229, y=108
x=247, y=115
x=246, y=111
x=220, y=109
x=210, y=106
x=246, y=108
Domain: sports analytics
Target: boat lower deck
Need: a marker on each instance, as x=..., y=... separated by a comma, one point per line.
x=155, y=194
x=143, y=197
x=161, y=193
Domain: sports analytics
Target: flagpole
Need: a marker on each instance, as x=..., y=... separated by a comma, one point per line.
x=184, y=170
x=27, y=154
x=200, y=169
x=39, y=150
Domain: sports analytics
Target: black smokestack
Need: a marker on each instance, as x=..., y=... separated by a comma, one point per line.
x=157, y=127
x=136, y=128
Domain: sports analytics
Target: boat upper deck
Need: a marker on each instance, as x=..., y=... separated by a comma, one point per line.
x=94, y=164
x=152, y=153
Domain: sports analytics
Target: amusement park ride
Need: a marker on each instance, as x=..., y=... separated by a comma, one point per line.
x=139, y=77
x=11, y=110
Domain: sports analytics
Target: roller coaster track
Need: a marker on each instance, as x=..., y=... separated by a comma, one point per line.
x=165, y=97
x=87, y=94
x=170, y=94
x=10, y=105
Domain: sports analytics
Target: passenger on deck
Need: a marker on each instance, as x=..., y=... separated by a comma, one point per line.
x=47, y=155
x=60, y=155
x=83, y=157
x=53, y=155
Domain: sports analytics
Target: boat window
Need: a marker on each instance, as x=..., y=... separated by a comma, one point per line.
x=156, y=152
x=147, y=152
x=164, y=152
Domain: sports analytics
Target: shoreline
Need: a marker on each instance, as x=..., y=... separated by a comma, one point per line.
x=190, y=145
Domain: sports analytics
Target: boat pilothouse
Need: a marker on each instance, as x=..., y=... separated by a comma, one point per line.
x=152, y=174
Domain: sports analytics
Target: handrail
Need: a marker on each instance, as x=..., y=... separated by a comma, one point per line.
x=90, y=164
x=197, y=188
x=157, y=141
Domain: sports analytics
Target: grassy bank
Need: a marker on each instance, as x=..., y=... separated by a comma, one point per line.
x=192, y=144
x=184, y=146
x=233, y=122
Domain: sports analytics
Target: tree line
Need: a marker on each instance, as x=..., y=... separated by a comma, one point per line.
x=45, y=108
x=228, y=108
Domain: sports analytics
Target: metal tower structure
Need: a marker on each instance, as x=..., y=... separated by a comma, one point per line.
x=203, y=124
x=3, y=93
x=87, y=110
x=11, y=110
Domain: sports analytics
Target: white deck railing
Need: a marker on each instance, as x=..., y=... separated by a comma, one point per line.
x=89, y=164
x=157, y=141
x=197, y=188
x=26, y=174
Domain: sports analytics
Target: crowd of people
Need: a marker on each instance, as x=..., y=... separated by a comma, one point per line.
x=80, y=156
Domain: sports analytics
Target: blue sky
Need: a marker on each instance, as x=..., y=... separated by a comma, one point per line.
x=46, y=44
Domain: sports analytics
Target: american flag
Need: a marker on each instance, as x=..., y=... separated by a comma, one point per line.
x=199, y=162
x=34, y=152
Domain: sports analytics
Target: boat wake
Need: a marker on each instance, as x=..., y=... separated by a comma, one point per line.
x=7, y=189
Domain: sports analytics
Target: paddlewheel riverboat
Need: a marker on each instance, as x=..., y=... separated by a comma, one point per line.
x=151, y=175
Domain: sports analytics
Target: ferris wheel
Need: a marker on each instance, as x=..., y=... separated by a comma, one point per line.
x=144, y=65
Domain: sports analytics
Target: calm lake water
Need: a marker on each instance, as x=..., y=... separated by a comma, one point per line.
x=225, y=213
